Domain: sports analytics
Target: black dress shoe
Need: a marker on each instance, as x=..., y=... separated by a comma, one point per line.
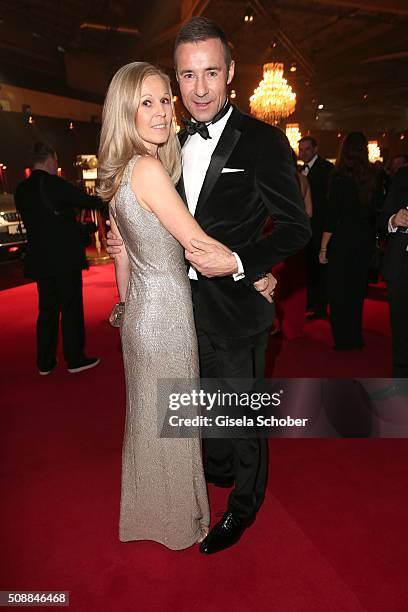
x=224, y=534
x=218, y=481
x=394, y=390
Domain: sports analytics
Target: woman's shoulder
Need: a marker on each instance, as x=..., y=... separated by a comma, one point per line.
x=146, y=166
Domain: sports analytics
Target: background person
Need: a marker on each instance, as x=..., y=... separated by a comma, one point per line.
x=349, y=238
x=55, y=259
x=318, y=172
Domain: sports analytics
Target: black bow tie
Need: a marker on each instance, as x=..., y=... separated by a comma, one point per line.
x=196, y=127
x=201, y=127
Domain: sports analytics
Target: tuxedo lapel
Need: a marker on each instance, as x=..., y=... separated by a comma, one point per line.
x=182, y=136
x=223, y=150
x=181, y=190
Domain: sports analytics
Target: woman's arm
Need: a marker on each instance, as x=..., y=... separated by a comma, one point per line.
x=121, y=261
x=323, y=247
x=156, y=193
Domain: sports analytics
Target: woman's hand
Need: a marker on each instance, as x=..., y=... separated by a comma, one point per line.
x=266, y=286
x=323, y=256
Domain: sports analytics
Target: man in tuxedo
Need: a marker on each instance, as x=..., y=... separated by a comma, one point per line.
x=318, y=172
x=55, y=259
x=394, y=219
x=237, y=171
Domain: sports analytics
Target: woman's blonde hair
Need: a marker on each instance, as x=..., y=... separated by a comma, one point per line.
x=120, y=140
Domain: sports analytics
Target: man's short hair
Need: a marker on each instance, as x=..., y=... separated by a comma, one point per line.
x=41, y=152
x=199, y=29
x=310, y=139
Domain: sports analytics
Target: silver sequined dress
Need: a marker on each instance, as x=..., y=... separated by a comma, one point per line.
x=164, y=495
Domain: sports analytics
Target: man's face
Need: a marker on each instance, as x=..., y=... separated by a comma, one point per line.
x=203, y=77
x=307, y=151
x=52, y=164
x=396, y=164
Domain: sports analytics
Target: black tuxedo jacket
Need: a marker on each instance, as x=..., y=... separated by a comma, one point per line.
x=319, y=179
x=396, y=255
x=54, y=241
x=233, y=208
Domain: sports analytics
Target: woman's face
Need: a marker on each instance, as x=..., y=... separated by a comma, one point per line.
x=154, y=115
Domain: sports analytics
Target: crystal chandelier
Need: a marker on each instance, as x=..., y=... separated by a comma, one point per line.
x=374, y=151
x=273, y=99
x=293, y=134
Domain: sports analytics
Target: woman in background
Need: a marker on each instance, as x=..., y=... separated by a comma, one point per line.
x=349, y=238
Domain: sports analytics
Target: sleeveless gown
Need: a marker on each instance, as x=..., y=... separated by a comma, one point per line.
x=163, y=493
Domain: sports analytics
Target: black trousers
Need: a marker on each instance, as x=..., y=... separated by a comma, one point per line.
x=245, y=460
x=398, y=301
x=316, y=277
x=348, y=267
x=60, y=295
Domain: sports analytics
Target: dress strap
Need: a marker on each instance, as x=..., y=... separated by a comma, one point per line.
x=127, y=173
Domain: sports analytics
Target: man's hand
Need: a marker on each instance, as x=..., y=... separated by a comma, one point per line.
x=113, y=243
x=211, y=259
x=401, y=218
x=266, y=286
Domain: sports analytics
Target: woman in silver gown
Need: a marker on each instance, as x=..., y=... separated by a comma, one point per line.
x=163, y=496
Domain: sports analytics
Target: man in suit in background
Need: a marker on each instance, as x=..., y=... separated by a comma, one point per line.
x=237, y=171
x=394, y=220
x=55, y=259
x=318, y=172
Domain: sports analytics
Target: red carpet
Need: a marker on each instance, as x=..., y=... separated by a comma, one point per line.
x=331, y=536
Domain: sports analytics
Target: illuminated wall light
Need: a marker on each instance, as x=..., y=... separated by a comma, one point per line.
x=365, y=96
x=59, y=171
x=402, y=137
x=293, y=68
x=338, y=134
x=320, y=106
x=27, y=172
x=71, y=125
x=233, y=94
x=4, y=167
x=293, y=134
x=374, y=152
x=30, y=119
x=249, y=16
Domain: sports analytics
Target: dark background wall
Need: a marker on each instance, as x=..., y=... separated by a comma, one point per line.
x=17, y=137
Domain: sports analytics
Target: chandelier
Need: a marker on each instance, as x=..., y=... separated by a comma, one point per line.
x=293, y=135
x=273, y=99
x=374, y=151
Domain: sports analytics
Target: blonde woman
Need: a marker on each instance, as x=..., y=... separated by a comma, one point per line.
x=164, y=494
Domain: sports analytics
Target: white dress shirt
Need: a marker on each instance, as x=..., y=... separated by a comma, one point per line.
x=305, y=171
x=196, y=157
